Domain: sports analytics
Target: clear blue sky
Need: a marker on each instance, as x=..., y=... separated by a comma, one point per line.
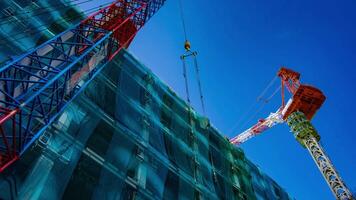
x=241, y=46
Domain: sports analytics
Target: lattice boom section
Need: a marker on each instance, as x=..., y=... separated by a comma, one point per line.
x=326, y=168
x=36, y=86
x=308, y=137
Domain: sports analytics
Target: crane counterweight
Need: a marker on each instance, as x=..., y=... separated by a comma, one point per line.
x=306, y=99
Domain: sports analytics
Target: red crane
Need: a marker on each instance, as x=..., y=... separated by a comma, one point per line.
x=35, y=87
x=297, y=113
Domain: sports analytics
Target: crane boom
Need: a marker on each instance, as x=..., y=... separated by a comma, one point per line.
x=262, y=125
x=36, y=86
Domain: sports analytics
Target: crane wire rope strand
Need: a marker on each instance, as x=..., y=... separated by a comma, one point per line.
x=182, y=19
x=249, y=113
x=243, y=116
x=260, y=108
x=273, y=94
x=184, y=55
x=252, y=117
x=186, y=80
x=260, y=97
x=189, y=53
x=197, y=72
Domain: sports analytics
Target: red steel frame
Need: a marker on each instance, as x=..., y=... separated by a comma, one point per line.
x=306, y=98
x=37, y=86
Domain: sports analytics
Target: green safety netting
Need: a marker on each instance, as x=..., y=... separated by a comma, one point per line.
x=129, y=136
x=27, y=24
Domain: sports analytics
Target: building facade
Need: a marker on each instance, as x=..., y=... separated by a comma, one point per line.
x=127, y=136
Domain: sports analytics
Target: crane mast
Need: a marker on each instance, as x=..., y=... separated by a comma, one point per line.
x=297, y=113
x=306, y=101
x=308, y=137
x=36, y=86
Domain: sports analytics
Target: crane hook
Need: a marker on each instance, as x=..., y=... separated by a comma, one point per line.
x=187, y=45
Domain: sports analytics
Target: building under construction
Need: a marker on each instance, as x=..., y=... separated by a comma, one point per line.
x=82, y=118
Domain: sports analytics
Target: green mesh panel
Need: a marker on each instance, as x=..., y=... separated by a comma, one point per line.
x=26, y=24
x=129, y=136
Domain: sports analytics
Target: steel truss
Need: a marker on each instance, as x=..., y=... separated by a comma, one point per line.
x=36, y=86
x=306, y=134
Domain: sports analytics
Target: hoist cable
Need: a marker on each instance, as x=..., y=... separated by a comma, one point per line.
x=183, y=56
x=185, y=79
x=273, y=94
x=259, y=108
x=187, y=54
x=197, y=72
x=260, y=97
x=243, y=126
x=243, y=116
x=182, y=19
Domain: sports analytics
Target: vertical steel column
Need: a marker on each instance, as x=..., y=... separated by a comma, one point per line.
x=307, y=136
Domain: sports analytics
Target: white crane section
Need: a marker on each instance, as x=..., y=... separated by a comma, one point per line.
x=262, y=125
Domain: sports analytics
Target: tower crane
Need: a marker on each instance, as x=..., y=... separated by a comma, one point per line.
x=36, y=86
x=297, y=113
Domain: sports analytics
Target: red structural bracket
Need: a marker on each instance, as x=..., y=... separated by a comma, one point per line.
x=306, y=99
x=36, y=87
x=290, y=80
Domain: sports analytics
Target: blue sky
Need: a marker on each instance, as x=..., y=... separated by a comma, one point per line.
x=241, y=46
